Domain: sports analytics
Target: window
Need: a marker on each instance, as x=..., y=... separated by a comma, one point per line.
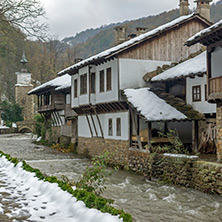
x=110, y=129
x=93, y=83
x=75, y=88
x=109, y=79
x=101, y=80
x=205, y=92
x=118, y=126
x=50, y=99
x=196, y=93
x=83, y=84
x=39, y=100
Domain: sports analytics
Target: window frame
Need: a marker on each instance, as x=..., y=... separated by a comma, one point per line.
x=83, y=84
x=110, y=127
x=196, y=96
x=109, y=79
x=101, y=81
x=118, y=127
x=93, y=82
x=75, y=88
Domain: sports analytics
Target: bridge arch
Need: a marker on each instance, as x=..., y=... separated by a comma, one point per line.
x=25, y=129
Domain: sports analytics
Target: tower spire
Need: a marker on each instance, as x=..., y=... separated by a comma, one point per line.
x=24, y=62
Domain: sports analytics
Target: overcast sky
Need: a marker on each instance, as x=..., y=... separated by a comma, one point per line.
x=67, y=17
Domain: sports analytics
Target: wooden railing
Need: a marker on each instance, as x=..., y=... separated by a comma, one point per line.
x=215, y=85
x=215, y=89
x=57, y=105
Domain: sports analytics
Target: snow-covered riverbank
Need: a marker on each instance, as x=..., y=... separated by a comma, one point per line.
x=37, y=200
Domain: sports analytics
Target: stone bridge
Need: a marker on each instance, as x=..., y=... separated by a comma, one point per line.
x=26, y=126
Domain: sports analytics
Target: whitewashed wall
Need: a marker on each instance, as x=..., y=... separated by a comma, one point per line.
x=202, y=106
x=216, y=57
x=133, y=70
x=84, y=131
x=107, y=96
x=24, y=78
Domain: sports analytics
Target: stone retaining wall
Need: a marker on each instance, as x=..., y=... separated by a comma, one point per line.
x=200, y=175
x=219, y=132
x=8, y=131
x=97, y=146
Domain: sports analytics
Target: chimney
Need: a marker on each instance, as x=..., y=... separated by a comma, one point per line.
x=140, y=30
x=184, y=7
x=203, y=8
x=120, y=34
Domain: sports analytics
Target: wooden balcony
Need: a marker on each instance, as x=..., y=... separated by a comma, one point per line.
x=215, y=89
x=57, y=105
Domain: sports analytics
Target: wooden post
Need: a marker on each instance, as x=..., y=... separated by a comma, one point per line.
x=130, y=130
x=136, y=128
x=195, y=135
x=149, y=135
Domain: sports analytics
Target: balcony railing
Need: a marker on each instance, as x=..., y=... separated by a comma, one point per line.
x=57, y=105
x=215, y=88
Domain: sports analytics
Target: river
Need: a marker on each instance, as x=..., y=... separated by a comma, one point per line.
x=146, y=201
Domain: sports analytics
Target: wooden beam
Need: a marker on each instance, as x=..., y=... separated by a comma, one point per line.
x=94, y=125
x=100, y=126
x=89, y=124
x=136, y=128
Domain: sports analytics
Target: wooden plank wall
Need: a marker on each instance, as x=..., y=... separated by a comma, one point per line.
x=168, y=46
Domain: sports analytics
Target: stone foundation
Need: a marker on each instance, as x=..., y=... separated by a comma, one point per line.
x=8, y=131
x=219, y=132
x=97, y=146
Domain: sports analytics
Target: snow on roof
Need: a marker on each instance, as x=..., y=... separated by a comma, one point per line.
x=151, y=106
x=57, y=82
x=64, y=86
x=192, y=66
x=194, y=39
x=129, y=42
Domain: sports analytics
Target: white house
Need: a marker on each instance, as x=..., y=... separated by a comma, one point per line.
x=191, y=77
x=98, y=83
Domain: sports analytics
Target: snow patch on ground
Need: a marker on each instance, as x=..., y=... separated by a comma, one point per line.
x=44, y=201
x=3, y=127
x=180, y=155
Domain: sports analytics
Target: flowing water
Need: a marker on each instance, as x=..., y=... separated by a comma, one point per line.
x=146, y=201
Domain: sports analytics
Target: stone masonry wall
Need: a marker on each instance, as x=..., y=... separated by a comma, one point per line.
x=53, y=135
x=199, y=175
x=96, y=146
x=219, y=132
x=25, y=101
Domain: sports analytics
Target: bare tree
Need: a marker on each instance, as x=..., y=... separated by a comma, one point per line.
x=24, y=15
